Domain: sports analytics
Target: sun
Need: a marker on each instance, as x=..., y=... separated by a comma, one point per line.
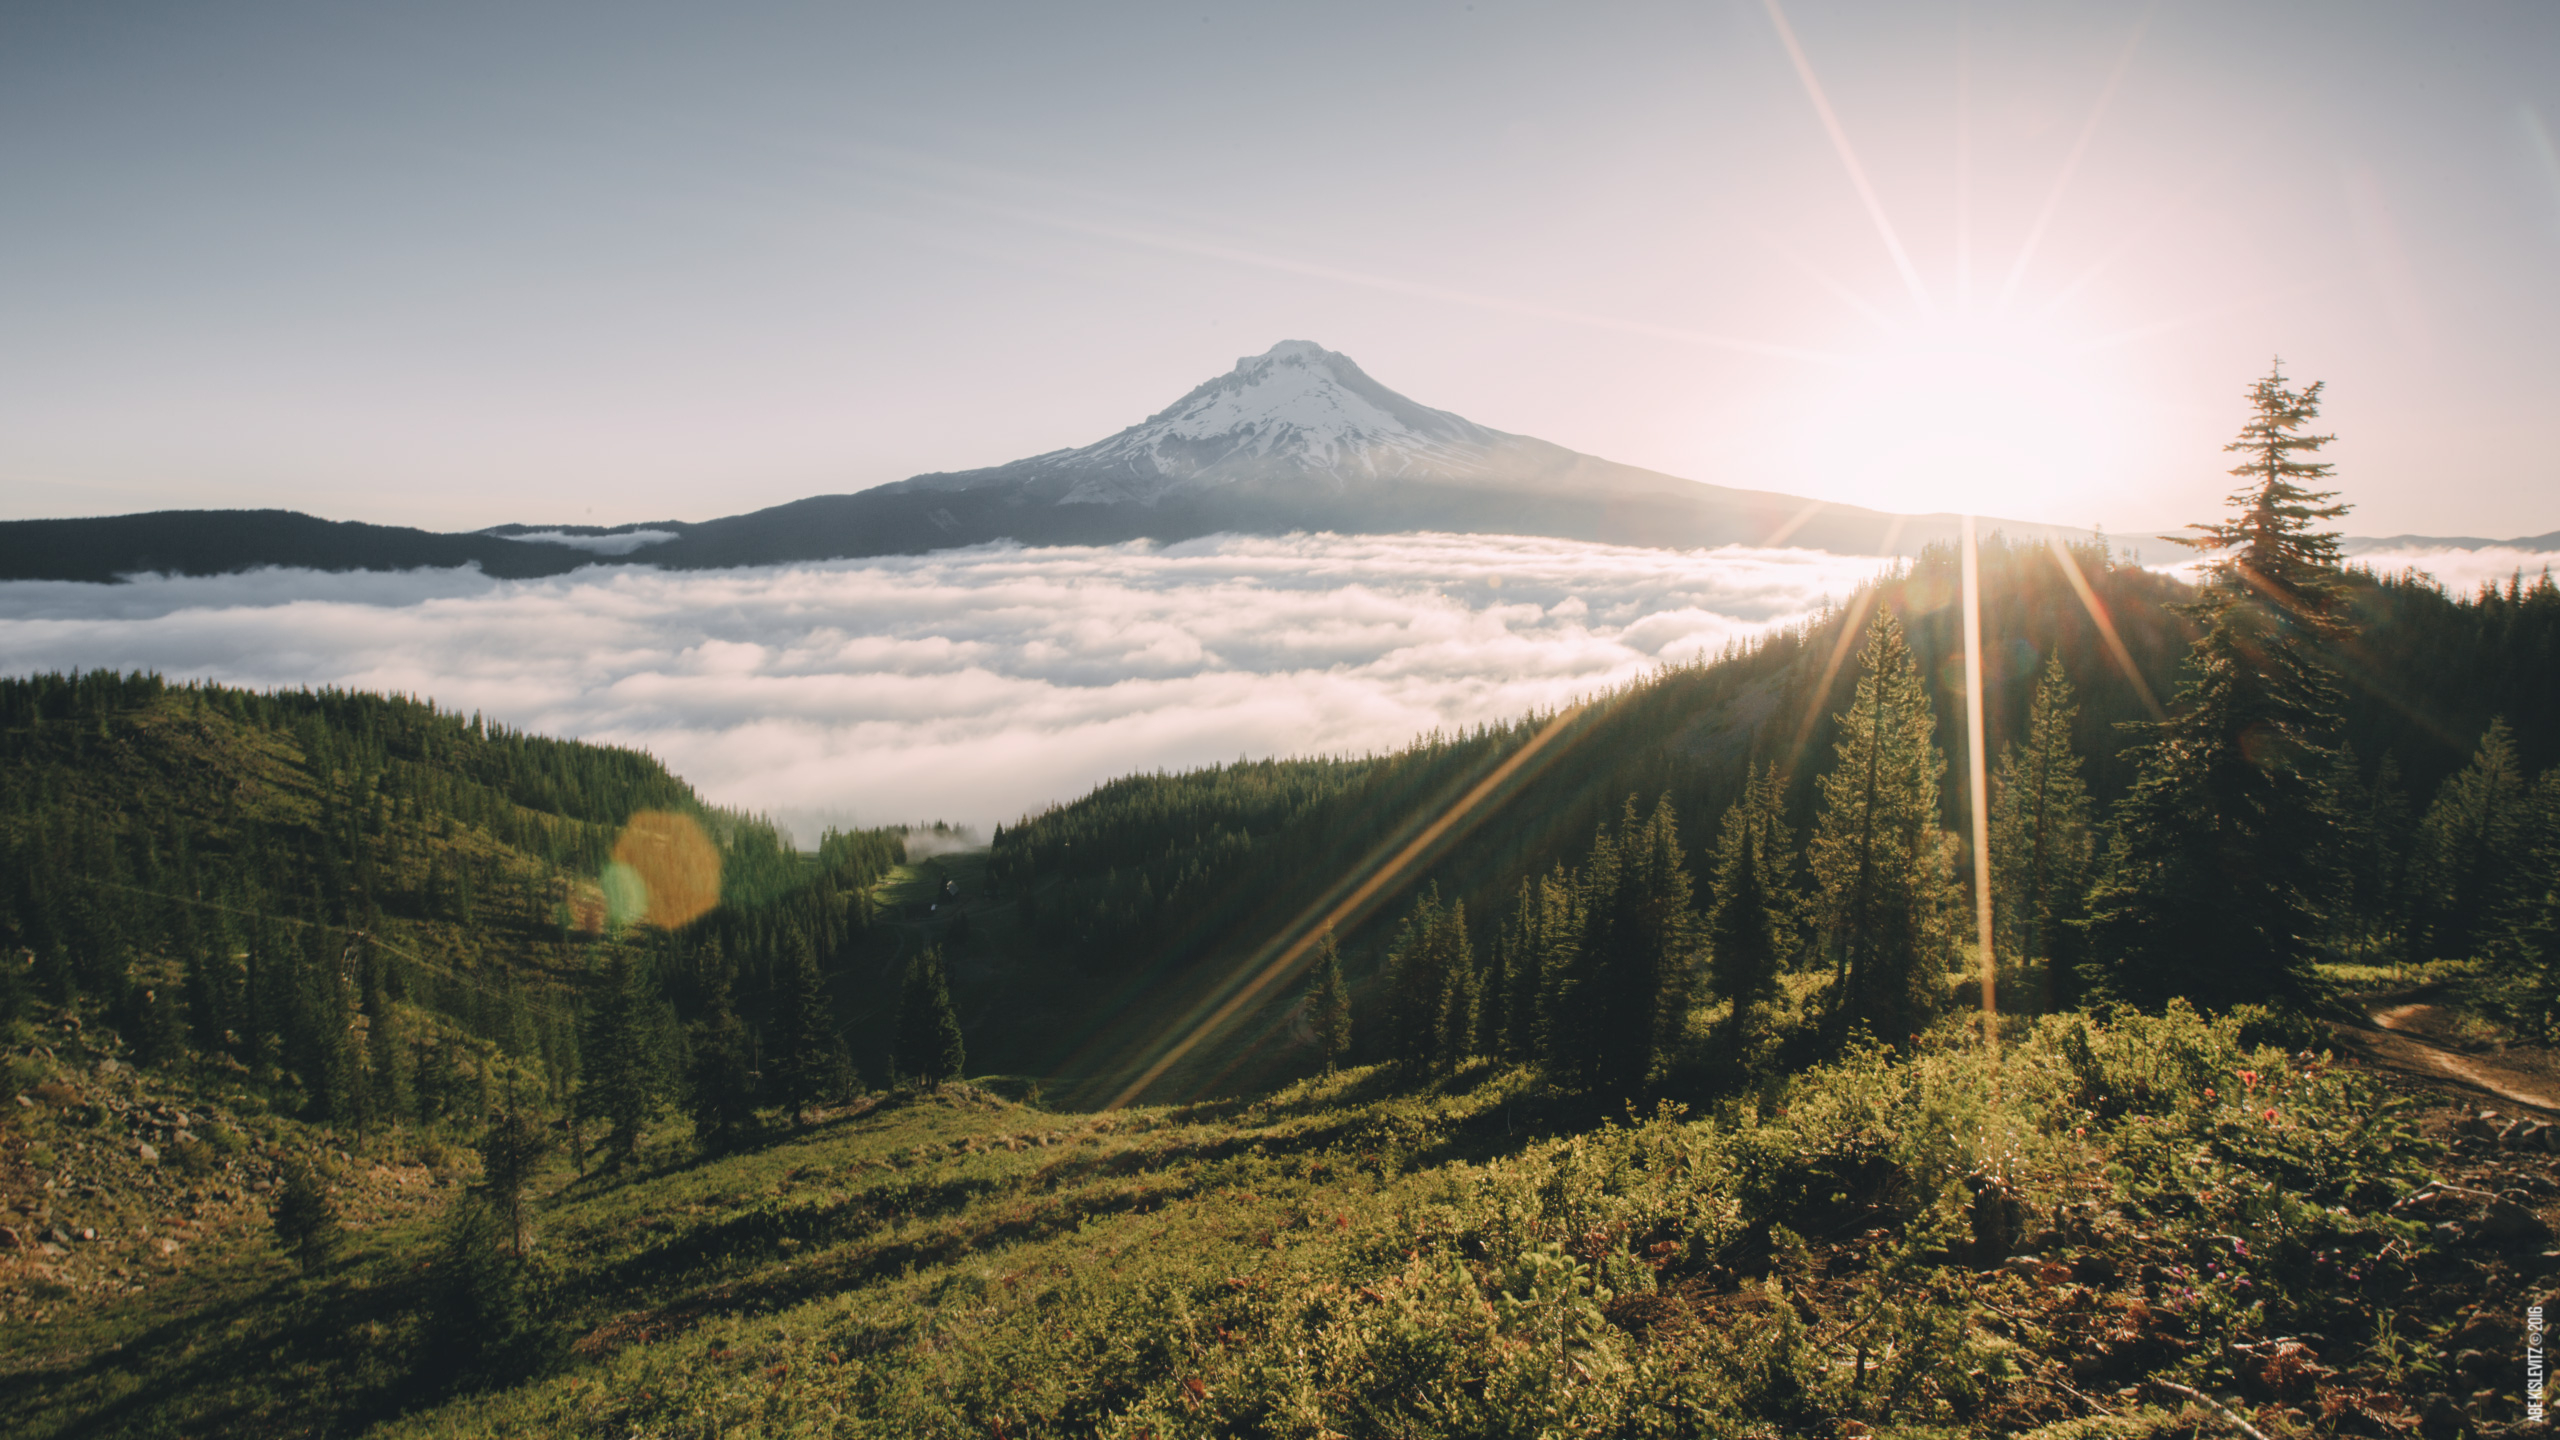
x=1973, y=415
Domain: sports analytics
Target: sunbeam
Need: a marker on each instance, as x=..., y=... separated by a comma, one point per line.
x=1378, y=877
x=1977, y=784
x=1849, y=158
x=2106, y=624
x=2071, y=162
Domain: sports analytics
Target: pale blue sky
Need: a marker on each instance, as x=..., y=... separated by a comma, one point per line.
x=454, y=265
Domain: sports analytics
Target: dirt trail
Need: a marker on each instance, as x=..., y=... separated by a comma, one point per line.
x=2399, y=1043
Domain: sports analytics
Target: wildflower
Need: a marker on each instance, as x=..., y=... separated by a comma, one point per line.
x=2239, y=1246
x=2271, y=1117
x=2208, y=1092
x=2249, y=1078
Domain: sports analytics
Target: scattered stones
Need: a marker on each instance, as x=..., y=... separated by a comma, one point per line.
x=2504, y=1220
x=147, y=1153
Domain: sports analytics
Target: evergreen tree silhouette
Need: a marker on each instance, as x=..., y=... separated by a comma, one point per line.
x=511, y=1151
x=1650, y=949
x=720, y=1088
x=1882, y=868
x=810, y=1053
x=1328, y=1003
x=1751, y=908
x=929, y=1041
x=304, y=1217
x=1430, y=988
x=619, y=1086
x=2218, y=885
x=2471, y=844
x=2042, y=843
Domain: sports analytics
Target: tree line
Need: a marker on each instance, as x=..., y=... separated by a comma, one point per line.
x=2247, y=842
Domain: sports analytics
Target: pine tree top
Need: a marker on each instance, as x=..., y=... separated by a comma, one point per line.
x=2273, y=549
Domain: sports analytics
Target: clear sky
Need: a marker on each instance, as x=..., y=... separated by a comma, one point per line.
x=456, y=264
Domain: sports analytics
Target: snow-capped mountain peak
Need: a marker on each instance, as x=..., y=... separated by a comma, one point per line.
x=1295, y=412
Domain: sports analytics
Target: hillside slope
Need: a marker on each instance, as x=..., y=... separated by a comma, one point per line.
x=2139, y=1214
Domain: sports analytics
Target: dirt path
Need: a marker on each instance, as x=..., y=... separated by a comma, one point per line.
x=2398, y=1043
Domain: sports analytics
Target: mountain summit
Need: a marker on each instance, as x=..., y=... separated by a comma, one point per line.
x=1295, y=411
x=1297, y=438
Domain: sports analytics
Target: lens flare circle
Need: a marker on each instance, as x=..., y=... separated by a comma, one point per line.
x=665, y=871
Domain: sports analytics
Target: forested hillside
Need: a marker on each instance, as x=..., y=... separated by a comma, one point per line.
x=372, y=909
x=1180, y=881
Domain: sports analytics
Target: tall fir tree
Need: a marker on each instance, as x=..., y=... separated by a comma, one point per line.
x=1572, y=1034
x=618, y=1087
x=511, y=1152
x=809, y=1058
x=1751, y=910
x=719, y=1080
x=2471, y=846
x=304, y=1217
x=1550, y=926
x=2526, y=945
x=2042, y=842
x=1649, y=948
x=1882, y=867
x=1430, y=988
x=2219, y=883
x=929, y=1046
x=2376, y=837
x=1328, y=1004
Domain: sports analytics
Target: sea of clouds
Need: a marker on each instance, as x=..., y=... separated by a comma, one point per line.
x=980, y=685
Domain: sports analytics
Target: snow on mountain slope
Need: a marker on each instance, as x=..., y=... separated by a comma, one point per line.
x=1296, y=410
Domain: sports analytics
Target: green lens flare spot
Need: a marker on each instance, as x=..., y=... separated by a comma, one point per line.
x=626, y=895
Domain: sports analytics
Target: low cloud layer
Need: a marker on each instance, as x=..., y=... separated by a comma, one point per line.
x=972, y=685
x=977, y=685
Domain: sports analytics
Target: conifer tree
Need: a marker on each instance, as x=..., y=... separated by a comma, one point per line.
x=2526, y=946
x=481, y=1319
x=620, y=1085
x=2218, y=883
x=511, y=1151
x=1328, y=1004
x=1551, y=937
x=1751, y=908
x=1649, y=949
x=1430, y=988
x=1883, y=877
x=929, y=1042
x=2470, y=845
x=304, y=1217
x=2267, y=554
x=720, y=1086
x=2042, y=845
x=810, y=1057
x=2375, y=835
x=1493, y=995
x=1572, y=1035
x=393, y=1095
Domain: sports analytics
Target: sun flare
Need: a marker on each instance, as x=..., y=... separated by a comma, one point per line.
x=1966, y=414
